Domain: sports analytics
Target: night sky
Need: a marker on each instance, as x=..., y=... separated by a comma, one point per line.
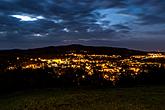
x=135, y=24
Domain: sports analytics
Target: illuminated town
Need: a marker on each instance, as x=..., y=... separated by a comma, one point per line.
x=110, y=66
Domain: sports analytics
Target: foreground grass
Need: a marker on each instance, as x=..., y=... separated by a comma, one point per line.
x=138, y=98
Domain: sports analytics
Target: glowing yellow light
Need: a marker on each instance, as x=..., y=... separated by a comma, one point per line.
x=83, y=76
x=106, y=77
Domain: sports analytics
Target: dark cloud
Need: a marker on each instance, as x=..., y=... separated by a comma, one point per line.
x=153, y=11
x=152, y=19
x=122, y=27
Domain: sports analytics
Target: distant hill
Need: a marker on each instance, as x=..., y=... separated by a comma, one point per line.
x=74, y=48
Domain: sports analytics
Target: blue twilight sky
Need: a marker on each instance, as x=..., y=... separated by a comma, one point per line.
x=136, y=24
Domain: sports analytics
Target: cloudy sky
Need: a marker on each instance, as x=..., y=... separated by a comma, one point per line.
x=136, y=24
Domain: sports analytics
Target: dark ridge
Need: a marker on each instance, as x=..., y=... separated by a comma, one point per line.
x=74, y=48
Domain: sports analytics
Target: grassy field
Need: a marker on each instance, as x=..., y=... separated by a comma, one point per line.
x=137, y=98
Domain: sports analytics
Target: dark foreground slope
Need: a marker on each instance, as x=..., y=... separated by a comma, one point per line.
x=138, y=98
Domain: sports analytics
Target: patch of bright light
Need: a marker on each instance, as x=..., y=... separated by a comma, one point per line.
x=66, y=29
x=27, y=18
x=76, y=31
x=40, y=17
x=24, y=18
x=37, y=35
x=3, y=32
x=57, y=21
